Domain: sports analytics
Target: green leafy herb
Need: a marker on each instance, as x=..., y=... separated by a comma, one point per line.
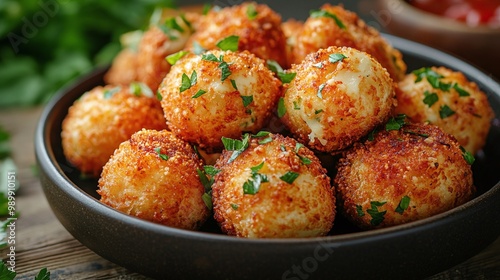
x=265, y=135
x=188, y=82
x=336, y=57
x=206, y=8
x=318, y=111
x=212, y=57
x=377, y=216
x=108, y=93
x=395, y=123
x=246, y=100
x=170, y=27
x=468, y=156
x=207, y=199
x=199, y=93
x=461, y=92
x=140, y=89
x=281, y=107
x=187, y=22
x=436, y=83
x=233, y=83
x=251, y=12
x=229, y=43
x=359, y=211
x=425, y=72
x=323, y=13
x=173, y=58
x=235, y=145
x=303, y=159
x=371, y=135
x=252, y=185
x=234, y=206
x=320, y=91
x=430, y=98
x=445, y=111
x=162, y=156
x=159, y=96
x=207, y=180
x=289, y=177
x=296, y=105
x=43, y=274
x=403, y=204
x=285, y=77
x=5, y=273
x=225, y=71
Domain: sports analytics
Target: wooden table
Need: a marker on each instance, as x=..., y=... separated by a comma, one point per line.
x=41, y=241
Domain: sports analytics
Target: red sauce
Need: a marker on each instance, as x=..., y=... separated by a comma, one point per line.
x=472, y=12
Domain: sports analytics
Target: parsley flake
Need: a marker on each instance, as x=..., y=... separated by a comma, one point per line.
x=252, y=185
x=303, y=159
x=403, y=204
x=281, y=107
x=159, y=96
x=377, y=216
x=289, y=177
x=430, y=98
x=251, y=12
x=162, y=156
x=359, y=211
x=247, y=100
x=229, y=43
x=395, y=123
x=235, y=145
x=108, y=93
x=285, y=77
x=188, y=82
x=233, y=83
x=336, y=57
x=320, y=91
x=199, y=93
x=323, y=13
x=445, y=111
x=173, y=58
x=469, y=158
x=140, y=89
x=234, y=206
x=461, y=92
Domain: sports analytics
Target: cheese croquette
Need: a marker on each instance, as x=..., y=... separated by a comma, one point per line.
x=160, y=40
x=101, y=119
x=218, y=94
x=335, y=26
x=337, y=96
x=403, y=175
x=449, y=100
x=257, y=26
x=153, y=176
x=272, y=187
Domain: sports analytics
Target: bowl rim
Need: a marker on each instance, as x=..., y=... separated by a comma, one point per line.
x=52, y=169
x=417, y=17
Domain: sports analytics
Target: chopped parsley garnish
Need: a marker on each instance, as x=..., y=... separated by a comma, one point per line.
x=140, y=89
x=187, y=23
x=430, y=98
x=206, y=9
x=233, y=83
x=162, y=156
x=159, y=96
x=229, y=43
x=445, y=111
x=251, y=12
x=266, y=135
x=296, y=104
x=281, y=107
x=436, y=83
x=320, y=91
x=285, y=77
x=235, y=145
x=223, y=66
x=377, y=216
x=170, y=27
x=199, y=93
x=395, y=123
x=336, y=57
x=173, y=58
x=289, y=177
x=371, y=135
x=403, y=204
x=188, y=82
x=207, y=182
x=252, y=185
x=303, y=159
x=234, y=206
x=461, y=92
x=416, y=133
x=108, y=93
x=469, y=158
x=359, y=211
x=323, y=13
x=246, y=100
x=318, y=111
x=425, y=72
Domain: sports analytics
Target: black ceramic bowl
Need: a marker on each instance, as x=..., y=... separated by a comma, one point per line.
x=413, y=250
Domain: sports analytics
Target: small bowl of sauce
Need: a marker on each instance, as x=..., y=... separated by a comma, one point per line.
x=469, y=29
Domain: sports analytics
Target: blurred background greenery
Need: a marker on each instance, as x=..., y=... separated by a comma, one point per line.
x=44, y=44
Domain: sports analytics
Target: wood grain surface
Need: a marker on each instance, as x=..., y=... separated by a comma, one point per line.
x=41, y=240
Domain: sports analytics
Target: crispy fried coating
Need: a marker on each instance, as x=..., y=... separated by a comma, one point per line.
x=100, y=120
x=401, y=176
x=337, y=96
x=335, y=26
x=291, y=29
x=449, y=100
x=257, y=26
x=153, y=176
x=206, y=97
x=279, y=208
x=123, y=70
